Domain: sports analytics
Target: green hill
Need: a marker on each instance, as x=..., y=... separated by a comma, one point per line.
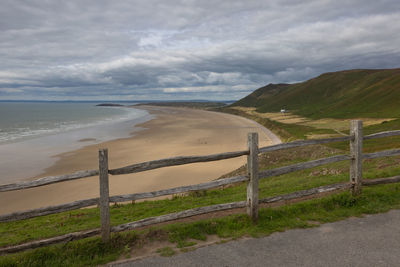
x=343, y=94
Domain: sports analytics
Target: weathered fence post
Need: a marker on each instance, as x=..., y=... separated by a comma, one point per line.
x=356, y=156
x=252, y=171
x=104, y=195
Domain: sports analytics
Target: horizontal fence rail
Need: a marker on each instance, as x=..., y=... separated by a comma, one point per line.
x=178, y=215
x=382, y=134
x=385, y=153
x=355, y=158
x=303, y=143
x=181, y=189
x=21, y=215
x=48, y=180
x=155, y=164
x=307, y=193
x=15, y=216
x=388, y=180
x=302, y=166
x=49, y=241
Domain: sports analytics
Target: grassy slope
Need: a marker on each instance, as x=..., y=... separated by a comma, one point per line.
x=344, y=94
x=91, y=252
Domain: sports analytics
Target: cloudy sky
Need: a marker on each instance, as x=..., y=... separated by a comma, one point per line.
x=215, y=50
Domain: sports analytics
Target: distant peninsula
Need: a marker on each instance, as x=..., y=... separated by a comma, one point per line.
x=109, y=105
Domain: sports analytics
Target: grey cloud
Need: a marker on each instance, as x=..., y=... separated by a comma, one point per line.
x=186, y=49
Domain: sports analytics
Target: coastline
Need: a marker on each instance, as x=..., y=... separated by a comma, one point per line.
x=27, y=158
x=171, y=132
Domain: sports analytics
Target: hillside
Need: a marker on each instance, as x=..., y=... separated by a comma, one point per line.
x=343, y=94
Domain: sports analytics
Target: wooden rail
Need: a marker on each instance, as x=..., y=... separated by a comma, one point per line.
x=21, y=215
x=303, y=143
x=302, y=166
x=388, y=180
x=15, y=216
x=48, y=180
x=382, y=134
x=385, y=153
x=306, y=193
x=181, y=189
x=155, y=164
x=252, y=178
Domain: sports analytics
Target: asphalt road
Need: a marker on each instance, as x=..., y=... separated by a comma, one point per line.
x=373, y=240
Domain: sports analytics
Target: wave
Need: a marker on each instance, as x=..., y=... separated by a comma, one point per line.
x=42, y=128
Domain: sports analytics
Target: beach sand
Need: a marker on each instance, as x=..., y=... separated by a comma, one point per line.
x=173, y=132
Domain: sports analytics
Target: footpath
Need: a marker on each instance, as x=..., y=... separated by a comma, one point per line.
x=373, y=240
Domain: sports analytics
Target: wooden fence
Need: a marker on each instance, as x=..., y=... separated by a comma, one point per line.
x=253, y=175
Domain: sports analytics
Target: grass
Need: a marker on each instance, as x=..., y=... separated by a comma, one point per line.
x=166, y=251
x=91, y=251
x=185, y=243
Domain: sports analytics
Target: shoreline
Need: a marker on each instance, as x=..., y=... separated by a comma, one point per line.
x=27, y=159
x=172, y=132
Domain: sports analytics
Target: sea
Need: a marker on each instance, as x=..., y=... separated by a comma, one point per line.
x=33, y=133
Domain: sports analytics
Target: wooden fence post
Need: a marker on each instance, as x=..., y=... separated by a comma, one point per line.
x=104, y=195
x=252, y=171
x=356, y=156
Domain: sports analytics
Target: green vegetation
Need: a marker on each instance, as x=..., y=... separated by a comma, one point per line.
x=343, y=94
x=166, y=251
x=185, y=243
x=91, y=251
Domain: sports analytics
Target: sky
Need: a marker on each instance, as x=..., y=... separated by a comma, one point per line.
x=181, y=50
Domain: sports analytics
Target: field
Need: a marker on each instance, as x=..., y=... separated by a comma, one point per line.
x=337, y=125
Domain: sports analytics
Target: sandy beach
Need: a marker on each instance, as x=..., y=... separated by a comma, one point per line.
x=173, y=132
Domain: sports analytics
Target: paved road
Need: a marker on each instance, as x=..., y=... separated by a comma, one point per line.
x=370, y=241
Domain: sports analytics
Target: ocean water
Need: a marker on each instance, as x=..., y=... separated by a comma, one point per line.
x=25, y=120
x=33, y=133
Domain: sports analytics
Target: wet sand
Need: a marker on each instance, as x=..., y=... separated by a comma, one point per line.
x=173, y=132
